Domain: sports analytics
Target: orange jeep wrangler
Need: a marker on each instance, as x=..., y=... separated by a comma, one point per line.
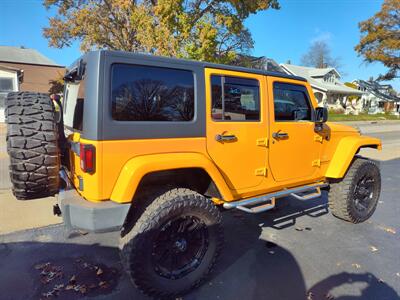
x=156, y=147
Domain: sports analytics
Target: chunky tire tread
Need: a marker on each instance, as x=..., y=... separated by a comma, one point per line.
x=32, y=144
x=163, y=205
x=340, y=193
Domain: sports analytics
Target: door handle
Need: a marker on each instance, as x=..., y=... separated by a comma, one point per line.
x=280, y=135
x=225, y=138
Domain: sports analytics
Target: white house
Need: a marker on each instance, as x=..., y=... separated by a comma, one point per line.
x=377, y=98
x=9, y=82
x=327, y=88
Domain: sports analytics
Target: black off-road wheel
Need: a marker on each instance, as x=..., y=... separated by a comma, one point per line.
x=174, y=244
x=355, y=197
x=32, y=144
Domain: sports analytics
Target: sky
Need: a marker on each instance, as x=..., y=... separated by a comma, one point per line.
x=282, y=35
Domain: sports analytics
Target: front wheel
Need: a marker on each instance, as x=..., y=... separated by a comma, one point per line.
x=174, y=244
x=355, y=197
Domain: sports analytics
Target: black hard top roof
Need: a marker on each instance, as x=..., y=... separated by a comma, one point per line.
x=198, y=63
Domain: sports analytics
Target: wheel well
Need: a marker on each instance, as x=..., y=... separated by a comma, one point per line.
x=366, y=146
x=195, y=179
x=154, y=184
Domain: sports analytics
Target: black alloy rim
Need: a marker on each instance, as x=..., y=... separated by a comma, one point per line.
x=364, y=193
x=179, y=247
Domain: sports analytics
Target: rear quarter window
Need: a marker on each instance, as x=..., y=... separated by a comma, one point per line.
x=149, y=93
x=73, y=102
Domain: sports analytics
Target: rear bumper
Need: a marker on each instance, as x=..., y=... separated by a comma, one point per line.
x=78, y=213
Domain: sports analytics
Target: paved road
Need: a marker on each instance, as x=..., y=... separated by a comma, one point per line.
x=294, y=253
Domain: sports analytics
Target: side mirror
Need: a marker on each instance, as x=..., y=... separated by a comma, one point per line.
x=321, y=115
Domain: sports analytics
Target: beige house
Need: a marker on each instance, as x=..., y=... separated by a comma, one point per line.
x=328, y=89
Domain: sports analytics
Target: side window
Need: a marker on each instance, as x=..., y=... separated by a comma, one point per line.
x=147, y=93
x=73, y=103
x=235, y=99
x=291, y=102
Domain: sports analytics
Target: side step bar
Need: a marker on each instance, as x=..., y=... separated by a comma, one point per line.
x=267, y=202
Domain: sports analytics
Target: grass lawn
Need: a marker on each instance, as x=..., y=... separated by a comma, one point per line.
x=361, y=117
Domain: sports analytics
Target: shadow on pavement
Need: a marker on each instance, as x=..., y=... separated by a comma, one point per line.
x=249, y=267
x=372, y=287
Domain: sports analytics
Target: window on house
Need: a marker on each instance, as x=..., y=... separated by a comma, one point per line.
x=235, y=99
x=146, y=93
x=6, y=84
x=291, y=102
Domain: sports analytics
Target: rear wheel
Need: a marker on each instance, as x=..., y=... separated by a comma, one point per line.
x=32, y=144
x=355, y=197
x=173, y=246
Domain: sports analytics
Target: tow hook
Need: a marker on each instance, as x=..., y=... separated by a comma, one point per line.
x=56, y=210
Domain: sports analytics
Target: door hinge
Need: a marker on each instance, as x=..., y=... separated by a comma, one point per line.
x=316, y=163
x=261, y=172
x=318, y=138
x=262, y=142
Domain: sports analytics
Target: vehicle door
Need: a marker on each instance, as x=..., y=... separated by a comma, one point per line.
x=236, y=126
x=294, y=147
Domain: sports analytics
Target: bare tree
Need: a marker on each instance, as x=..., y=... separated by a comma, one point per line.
x=319, y=56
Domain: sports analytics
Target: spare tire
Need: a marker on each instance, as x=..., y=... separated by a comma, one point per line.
x=32, y=144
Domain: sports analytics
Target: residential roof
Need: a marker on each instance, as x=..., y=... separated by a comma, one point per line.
x=260, y=62
x=377, y=89
x=24, y=56
x=8, y=68
x=312, y=73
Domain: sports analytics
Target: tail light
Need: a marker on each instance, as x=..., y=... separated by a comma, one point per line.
x=88, y=158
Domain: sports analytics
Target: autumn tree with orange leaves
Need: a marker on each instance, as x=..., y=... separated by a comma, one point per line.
x=380, y=40
x=210, y=30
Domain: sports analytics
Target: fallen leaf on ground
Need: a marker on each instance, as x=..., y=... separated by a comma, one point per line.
x=103, y=284
x=357, y=266
x=58, y=286
x=99, y=272
x=373, y=248
x=299, y=229
x=310, y=296
x=388, y=229
x=69, y=287
x=380, y=280
x=83, y=289
x=42, y=266
x=48, y=294
x=72, y=280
